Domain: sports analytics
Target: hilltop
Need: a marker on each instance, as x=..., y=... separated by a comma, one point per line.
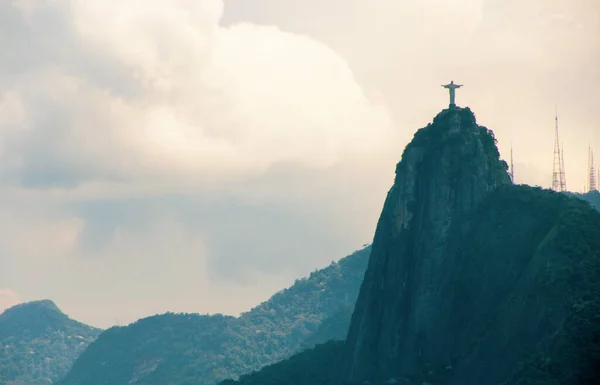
x=471, y=280
x=469, y=275
x=200, y=349
x=39, y=343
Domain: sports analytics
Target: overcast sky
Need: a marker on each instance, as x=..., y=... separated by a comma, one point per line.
x=198, y=156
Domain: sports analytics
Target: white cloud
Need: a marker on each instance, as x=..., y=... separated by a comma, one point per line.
x=38, y=237
x=172, y=93
x=151, y=260
x=517, y=59
x=107, y=110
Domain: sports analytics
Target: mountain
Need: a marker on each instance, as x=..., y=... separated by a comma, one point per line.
x=593, y=197
x=315, y=366
x=472, y=280
x=39, y=343
x=566, y=346
x=199, y=349
x=446, y=171
x=334, y=327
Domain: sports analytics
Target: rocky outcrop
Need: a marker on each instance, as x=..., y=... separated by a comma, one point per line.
x=447, y=169
x=473, y=280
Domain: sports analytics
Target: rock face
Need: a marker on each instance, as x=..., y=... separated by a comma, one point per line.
x=515, y=301
x=473, y=280
x=447, y=169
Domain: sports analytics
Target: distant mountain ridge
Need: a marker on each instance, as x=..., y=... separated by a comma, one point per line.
x=320, y=364
x=39, y=343
x=178, y=349
x=40, y=324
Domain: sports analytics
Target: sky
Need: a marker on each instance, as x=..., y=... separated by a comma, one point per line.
x=200, y=155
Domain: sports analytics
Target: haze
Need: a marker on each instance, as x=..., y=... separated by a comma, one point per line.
x=198, y=156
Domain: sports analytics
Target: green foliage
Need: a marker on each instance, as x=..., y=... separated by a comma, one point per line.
x=513, y=230
x=38, y=343
x=334, y=327
x=574, y=357
x=563, y=242
x=310, y=367
x=181, y=349
x=593, y=197
x=465, y=147
x=193, y=349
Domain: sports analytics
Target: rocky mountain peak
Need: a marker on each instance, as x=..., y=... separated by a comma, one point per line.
x=446, y=170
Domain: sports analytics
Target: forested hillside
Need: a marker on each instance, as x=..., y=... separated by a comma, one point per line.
x=315, y=366
x=593, y=197
x=39, y=343
x=471, y=279
x=529, y=225
x=193, y=349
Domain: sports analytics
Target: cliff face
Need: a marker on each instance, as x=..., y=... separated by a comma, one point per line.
x=520, y=306
x=473, y=280
x=401, y=317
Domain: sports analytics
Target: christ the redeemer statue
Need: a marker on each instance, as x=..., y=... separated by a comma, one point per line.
x=452, y=87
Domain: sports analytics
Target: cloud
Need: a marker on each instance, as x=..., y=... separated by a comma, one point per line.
x=8, y=298
x=125, y=258
x=55, y=235
x=152, y=159
x=517, y=60
x=158, y=89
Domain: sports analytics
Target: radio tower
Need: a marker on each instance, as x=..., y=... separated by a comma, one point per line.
x=558, y=173
x=592, y=171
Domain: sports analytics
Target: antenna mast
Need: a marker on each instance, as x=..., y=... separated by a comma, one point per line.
x=558, y=174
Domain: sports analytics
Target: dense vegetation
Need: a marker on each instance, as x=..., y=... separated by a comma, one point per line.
x=335, y=327
x=593, y=197
x=195, y=349
x=191, y=349
x=310, y=367
x=435, y=137
x=566, y=234
x=573, y=356
x=553, y=242
x=38, y=343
